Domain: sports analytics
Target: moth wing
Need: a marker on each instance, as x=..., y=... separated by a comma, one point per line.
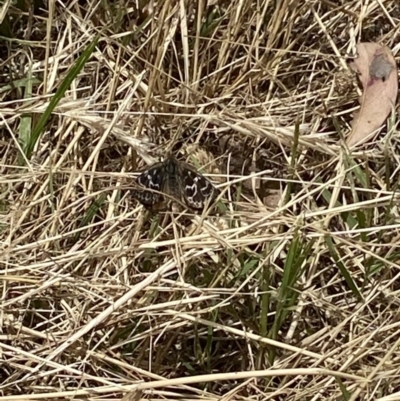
x=151, y=182
x=196, y=189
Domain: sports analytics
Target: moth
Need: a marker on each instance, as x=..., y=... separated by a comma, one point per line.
x=177, y=180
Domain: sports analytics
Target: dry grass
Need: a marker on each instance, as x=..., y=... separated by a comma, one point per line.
x=289, y=293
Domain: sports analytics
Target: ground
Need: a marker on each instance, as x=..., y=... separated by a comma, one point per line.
x=285, y=289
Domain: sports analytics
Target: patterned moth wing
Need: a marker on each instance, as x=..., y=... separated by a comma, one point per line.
x=197, y=190
x=177, y=180
x=172, y=178
x=154, y=179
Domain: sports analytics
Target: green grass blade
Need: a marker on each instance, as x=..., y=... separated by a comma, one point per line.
x=65, y=84
x=342, y=267
x=347, y=217
x=288, y=293
x=21, y=83
x=93, y=209
x=25, y=127
x=346, y=394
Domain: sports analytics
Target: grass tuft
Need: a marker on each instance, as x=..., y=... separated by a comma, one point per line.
x=286, y=290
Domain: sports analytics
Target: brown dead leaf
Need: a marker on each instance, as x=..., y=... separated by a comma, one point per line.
x=378, y=76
